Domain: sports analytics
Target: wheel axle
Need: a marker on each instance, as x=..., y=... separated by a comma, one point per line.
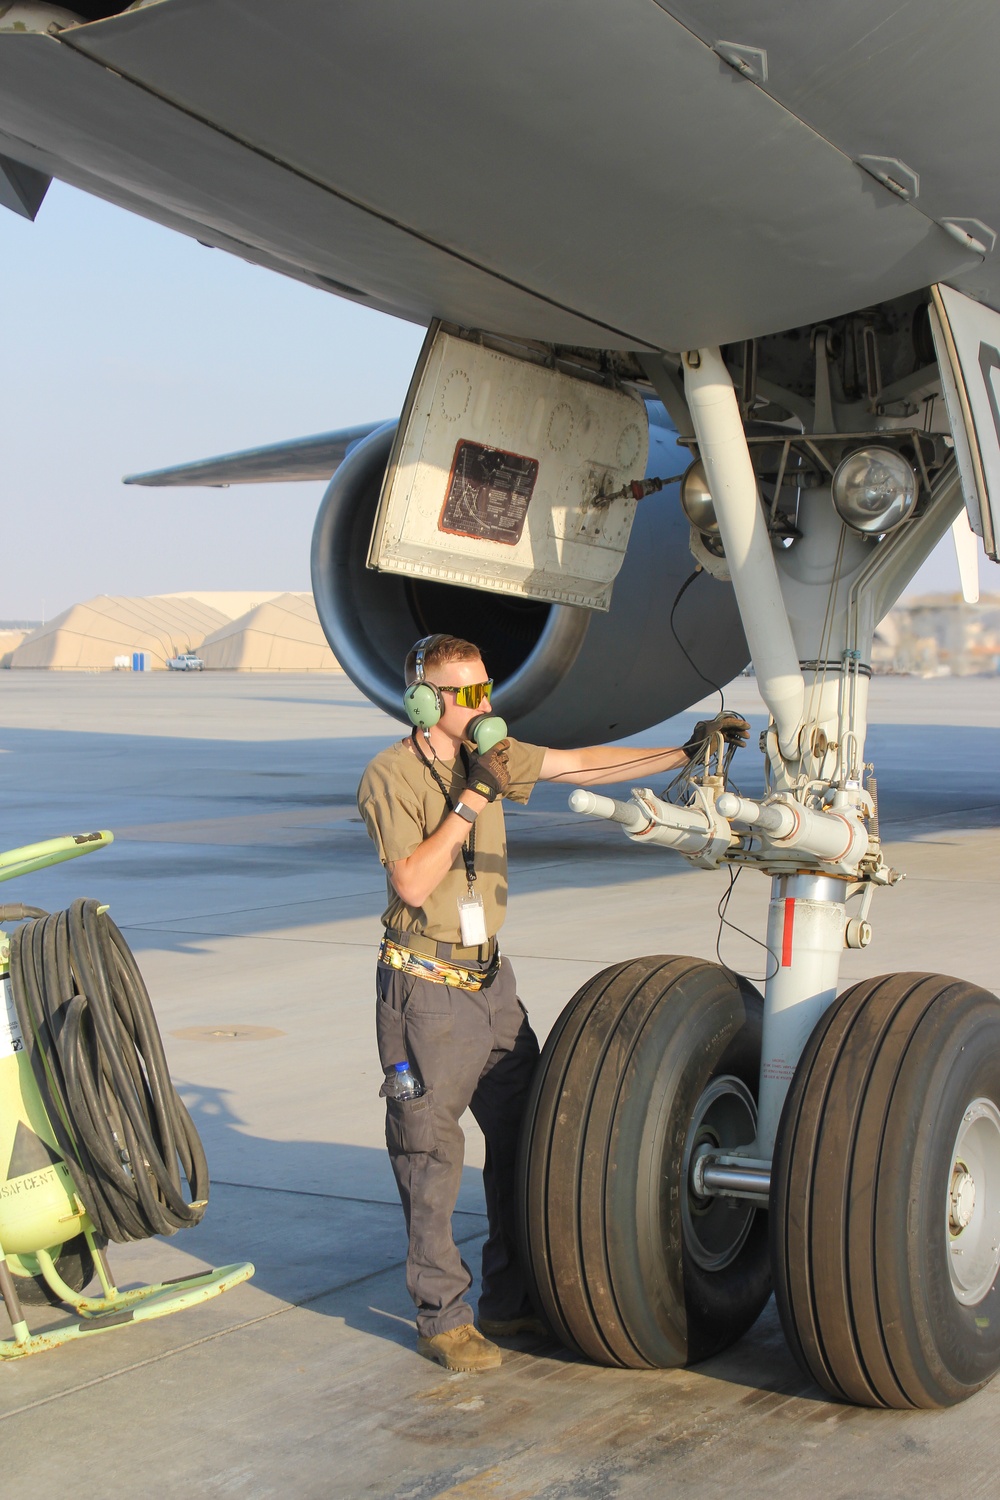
x=731, y=1177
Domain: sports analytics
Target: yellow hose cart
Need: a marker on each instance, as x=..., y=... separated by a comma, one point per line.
x=94, y=1140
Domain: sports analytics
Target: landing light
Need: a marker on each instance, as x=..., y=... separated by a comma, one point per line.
x=874, y=490
x=696, y=500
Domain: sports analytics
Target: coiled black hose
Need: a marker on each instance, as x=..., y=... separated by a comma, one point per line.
x=98, y=1060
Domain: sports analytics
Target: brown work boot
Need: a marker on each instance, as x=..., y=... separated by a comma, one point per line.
x=509, y=1328
x=462, y=1348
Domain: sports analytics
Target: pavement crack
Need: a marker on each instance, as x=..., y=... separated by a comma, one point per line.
x=262, y=1187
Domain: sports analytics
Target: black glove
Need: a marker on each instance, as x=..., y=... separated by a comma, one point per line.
x=488, y=774
x=733, y=728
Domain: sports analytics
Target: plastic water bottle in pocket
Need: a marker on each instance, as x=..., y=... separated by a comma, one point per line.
x=400, y=1083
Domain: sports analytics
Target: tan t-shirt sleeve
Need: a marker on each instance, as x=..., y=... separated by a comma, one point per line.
x=525, y=764
x=393, y=816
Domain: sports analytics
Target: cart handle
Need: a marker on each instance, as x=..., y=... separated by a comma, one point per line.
x=30, y=857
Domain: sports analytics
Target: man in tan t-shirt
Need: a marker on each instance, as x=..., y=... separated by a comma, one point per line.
x=433, y=807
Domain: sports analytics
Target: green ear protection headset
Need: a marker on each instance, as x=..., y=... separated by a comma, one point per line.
x=422, y=700
x=424, y=705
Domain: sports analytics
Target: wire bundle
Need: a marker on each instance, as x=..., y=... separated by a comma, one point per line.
x=98, y=1060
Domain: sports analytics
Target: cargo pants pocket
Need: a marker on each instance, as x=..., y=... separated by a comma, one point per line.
x=409, y=1125
x=389, y=1033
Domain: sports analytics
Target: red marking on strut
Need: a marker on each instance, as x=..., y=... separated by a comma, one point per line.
x=786, y=937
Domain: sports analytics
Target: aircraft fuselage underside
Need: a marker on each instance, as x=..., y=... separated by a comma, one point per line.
x=616, y=176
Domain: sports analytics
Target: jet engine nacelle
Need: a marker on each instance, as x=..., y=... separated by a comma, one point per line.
x=565, y=675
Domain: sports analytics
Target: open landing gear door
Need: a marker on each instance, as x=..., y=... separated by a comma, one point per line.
x=502, y=472
x=967, y=341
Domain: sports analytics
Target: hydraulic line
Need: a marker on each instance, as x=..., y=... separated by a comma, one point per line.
x=98, y=1061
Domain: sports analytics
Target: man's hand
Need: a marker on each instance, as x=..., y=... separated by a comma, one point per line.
x=488, y=774
x=733, y=728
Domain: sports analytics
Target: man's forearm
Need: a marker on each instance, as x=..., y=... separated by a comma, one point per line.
x=414, y=878
x=595, y=765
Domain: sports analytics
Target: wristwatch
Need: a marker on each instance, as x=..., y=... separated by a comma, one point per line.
x=465, y=812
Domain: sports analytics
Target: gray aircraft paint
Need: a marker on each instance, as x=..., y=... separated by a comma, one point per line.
x=582, y=173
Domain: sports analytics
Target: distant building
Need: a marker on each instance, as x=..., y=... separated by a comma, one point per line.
x=10, y=638
x=89, y=636
x=940, y=635
x=281, y=635
x=261, y=631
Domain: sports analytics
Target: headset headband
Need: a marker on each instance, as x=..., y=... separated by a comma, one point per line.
x=425, y=644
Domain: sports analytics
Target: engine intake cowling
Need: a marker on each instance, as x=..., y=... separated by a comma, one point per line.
x=566, y=676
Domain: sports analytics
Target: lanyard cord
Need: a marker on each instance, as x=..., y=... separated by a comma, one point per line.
x=468, y=850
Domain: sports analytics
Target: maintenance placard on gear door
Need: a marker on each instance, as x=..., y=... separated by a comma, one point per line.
x=499, y=476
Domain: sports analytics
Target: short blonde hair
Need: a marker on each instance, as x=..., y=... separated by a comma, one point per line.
x=441, y=650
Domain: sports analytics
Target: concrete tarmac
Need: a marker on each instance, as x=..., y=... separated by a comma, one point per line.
x=247, y=887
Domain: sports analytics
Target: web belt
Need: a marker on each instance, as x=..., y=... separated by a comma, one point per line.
x=437, y=970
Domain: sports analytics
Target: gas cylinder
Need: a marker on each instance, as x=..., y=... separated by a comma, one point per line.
x=39, y=1209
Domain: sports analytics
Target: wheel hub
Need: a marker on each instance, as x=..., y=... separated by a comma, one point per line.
x=973, y=1207
x=963, y=1198
x=715, y=1229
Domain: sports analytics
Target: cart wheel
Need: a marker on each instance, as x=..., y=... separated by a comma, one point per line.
x=649, y=1061
x=885, y=1194
x=75, y=1265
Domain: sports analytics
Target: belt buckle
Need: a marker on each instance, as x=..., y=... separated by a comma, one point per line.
x=390, y=953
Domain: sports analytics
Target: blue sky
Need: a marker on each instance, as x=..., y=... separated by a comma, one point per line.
x=126, y=347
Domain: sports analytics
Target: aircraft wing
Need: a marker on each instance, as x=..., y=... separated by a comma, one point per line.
x=636, y=175
x=316, y=457
x=303, y=458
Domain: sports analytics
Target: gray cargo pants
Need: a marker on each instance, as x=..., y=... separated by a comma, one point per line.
x=471, y=1050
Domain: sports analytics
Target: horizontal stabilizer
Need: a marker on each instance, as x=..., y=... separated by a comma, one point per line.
x=316, y=457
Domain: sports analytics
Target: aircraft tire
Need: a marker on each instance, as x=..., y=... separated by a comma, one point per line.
x=885, y=1195
x=648, y=1058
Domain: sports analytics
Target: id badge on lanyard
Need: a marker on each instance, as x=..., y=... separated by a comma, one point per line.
x=472, y=920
